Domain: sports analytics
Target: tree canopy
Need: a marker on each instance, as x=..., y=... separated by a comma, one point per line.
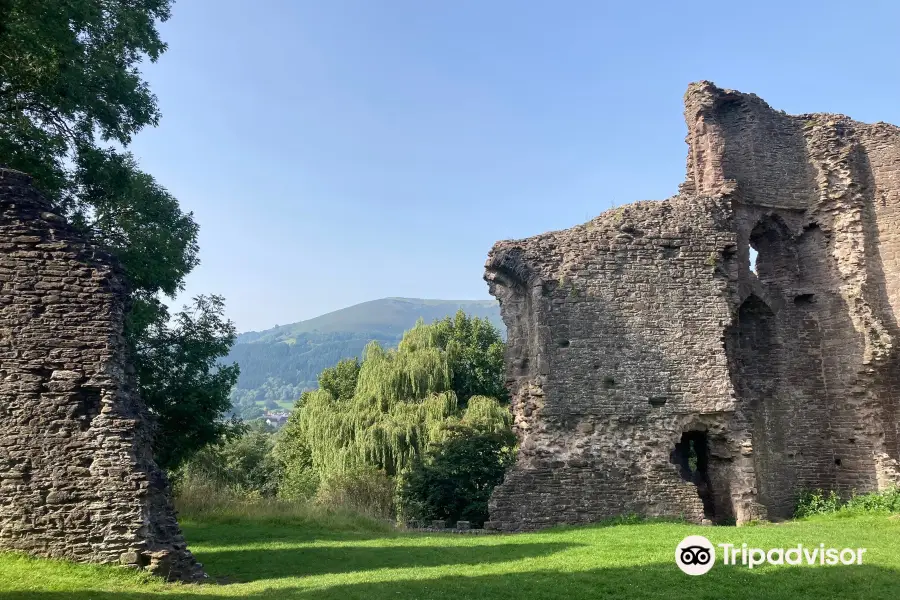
x=387, y=409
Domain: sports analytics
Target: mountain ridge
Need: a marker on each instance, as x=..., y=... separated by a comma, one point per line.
x=386, y=316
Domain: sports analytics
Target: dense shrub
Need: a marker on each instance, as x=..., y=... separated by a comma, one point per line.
x=241, y=465
x=363, y=490
x=886, y=501
x=299, y=481
x=817, y=502
x=454, y=480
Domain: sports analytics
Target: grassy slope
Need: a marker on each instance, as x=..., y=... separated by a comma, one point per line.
x=260, y=560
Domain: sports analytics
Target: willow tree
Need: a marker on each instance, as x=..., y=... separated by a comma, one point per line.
x=403, y=402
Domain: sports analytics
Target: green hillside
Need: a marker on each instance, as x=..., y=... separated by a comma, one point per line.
x=385, y=317
x=279, y=363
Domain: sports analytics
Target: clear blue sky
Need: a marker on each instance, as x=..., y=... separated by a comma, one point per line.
x=340, y=151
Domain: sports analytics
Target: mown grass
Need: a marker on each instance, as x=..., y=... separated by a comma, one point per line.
x=260, y=557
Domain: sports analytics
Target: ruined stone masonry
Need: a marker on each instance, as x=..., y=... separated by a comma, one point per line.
x=77, y=477
x=654, y=372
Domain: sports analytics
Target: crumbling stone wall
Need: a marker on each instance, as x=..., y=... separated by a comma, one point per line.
x=652, y=371
x=77, y=477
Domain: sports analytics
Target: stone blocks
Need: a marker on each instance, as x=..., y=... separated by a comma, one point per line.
x=77, y=477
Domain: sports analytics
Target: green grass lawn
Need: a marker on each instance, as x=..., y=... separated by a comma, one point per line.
x=270, y=560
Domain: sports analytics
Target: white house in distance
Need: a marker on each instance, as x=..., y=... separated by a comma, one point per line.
x=277, y=418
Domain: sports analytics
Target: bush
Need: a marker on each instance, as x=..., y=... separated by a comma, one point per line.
x=299, y=480
x=298, y=483
x=817, y=502
x=364, y=490
x=240, y=465
x=886, y=501
x=455, y=479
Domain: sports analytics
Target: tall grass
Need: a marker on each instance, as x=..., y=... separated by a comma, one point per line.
x=202, y=502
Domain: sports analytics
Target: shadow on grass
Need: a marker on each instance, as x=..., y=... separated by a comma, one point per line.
x=662, y=581
x=241, y=566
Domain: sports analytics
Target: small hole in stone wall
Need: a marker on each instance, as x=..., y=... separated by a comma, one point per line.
x=42, y=372
x=804, y=298
x=729, y=106
x=753, y=255
x=852, y=440
x=657, y=401
x=669, y=251
x=609, y=382
x=87, y=406
x=563, y=343
x=837, y=462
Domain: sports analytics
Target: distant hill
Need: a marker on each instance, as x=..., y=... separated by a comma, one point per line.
x=387, y=316
x=278, y=364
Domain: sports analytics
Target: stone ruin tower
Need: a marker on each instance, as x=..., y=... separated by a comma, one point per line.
x=77, y=477
x=654, y=371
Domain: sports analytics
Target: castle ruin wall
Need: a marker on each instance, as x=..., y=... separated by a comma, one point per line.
x=77, y=476
x=644, y=335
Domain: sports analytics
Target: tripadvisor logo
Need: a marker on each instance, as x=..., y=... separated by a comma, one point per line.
x=695, y=555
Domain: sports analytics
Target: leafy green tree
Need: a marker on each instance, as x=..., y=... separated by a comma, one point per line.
x=454, y=479
x=180, y=380
x=340, y=380
x=402, y=401
x=299, y=480
x=70, y=76
x=241, y=462
x=475, y=350
x=71, y=97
